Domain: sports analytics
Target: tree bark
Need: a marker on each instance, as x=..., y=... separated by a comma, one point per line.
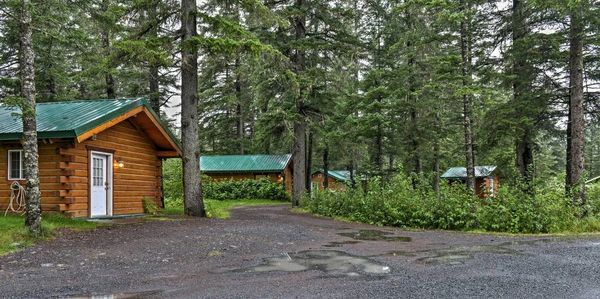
x=192, y=190
x=299, y=153
x=467, y=102
x=309, y=156
x=436, y=156
x=33, y=216
x=105, y=35
x=239, y=106
x=522, y=85
x=326, y=167
x=153, y=70
x=413, y=113
x=576, y=142
x=379, y=147
x=154, y=89
x=299, y=158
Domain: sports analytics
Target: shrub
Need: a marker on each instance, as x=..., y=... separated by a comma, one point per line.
x=398, y=204
x=243, y=189
x=150, y=206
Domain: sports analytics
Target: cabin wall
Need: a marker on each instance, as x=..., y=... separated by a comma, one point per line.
x=139, y=178
x=64, y=170
x=334, y=184
x=482, y=185
x=50, y=173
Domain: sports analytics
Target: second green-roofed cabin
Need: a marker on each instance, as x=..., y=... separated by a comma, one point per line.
x=337, y=180
x=486, y=179
x=277, y=168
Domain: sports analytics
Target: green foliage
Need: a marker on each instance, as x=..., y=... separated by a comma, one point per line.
x=150, y=206
x=218, y=208
x=14, y=235
x=219, y=190
x=397, y=204
x=172, y=183
x=243, y=189
x=221, y=208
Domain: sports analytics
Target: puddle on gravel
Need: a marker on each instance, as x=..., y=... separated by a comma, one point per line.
x=328, y=261
x=341, y=243
x=374, y=235
x=136, y=295
x=459, y=255
x=398, y=253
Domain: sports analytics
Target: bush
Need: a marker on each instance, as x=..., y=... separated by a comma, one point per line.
x=150, y=206
x=398, y=204
x=243, y=189
x=219, y=190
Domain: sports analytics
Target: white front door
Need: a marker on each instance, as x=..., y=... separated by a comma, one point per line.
x=100, y=180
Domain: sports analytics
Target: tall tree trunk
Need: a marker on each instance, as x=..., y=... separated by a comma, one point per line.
x=351, y=171
x=299, y=158
x=33, y=216
x=525, y=158
x=576, y=142
x=521, y=86
x=326, y=167
x=299, y=153
x=436, y=155
x=239, y=107
x=153, y=70
x=379, y=147
x=105, y=35
x=154, y=89
x=309, y=156
x=414, y=145
x=413, y=113
x=467, y=103
x=192, y=190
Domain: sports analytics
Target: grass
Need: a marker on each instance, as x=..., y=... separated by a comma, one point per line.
x=14, y=234
x=220, y=208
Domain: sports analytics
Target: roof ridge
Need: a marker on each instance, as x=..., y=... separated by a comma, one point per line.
x=91, y=100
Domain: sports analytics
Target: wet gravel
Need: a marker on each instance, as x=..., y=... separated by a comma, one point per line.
x=299, y=256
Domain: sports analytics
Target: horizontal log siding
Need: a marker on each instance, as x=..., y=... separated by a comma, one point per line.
x=139, y=179
x=64, y=172
x=49, y=177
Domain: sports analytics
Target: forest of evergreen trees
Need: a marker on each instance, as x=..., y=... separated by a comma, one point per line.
x=374, y=86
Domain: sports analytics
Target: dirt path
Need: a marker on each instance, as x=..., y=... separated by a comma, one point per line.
x=270, y=252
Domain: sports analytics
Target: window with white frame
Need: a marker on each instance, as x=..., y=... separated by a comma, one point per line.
x=15, y=164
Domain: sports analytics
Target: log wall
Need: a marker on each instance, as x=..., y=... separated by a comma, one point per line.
x=64, y=170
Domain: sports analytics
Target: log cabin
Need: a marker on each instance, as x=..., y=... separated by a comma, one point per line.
x=277, y=168
x=487, y=181
x=338, y=180
x=97, y=158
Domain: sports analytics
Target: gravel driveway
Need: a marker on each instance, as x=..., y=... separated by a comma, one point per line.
x=270, y=252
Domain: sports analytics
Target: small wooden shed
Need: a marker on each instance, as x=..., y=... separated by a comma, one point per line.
x=337, y=179
x=97, y=158
x=487, y=181
x=277, y=168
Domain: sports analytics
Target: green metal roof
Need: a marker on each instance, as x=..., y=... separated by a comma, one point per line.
x=69, y=119
x=340, y=175
x=244, y=163
x=461, y=172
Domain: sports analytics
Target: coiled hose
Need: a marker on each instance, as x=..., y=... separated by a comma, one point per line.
x=16, y=204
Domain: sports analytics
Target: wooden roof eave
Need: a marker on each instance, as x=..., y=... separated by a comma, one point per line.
x=173, y=152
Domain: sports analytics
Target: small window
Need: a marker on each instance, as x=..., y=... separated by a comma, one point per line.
x=15, y=164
